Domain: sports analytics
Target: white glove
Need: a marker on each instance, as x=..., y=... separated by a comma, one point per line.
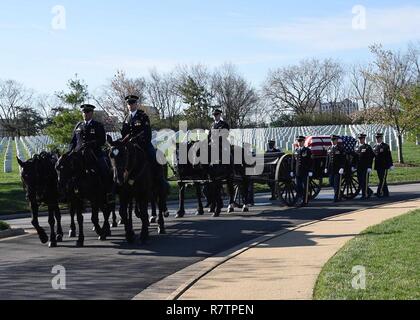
x=369, y=170
x=292, y=174
x=341, y=171
x=311, y=174
x=353, y=169
x=392, y=168
x=326, y=171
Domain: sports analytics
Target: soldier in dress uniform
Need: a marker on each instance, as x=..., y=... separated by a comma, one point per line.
x=365, y=156
x=90, y=134
x=272, y=149
x=335, y=166
x=137, y=128
x=302, y=169
x=383, y=163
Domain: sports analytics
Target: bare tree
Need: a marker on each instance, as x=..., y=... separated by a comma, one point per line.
x=14, y=99
x=112, y=98
x=300, y=88
x=362, y=86
x=161, y=90
x=393, y=74
x=234, y=94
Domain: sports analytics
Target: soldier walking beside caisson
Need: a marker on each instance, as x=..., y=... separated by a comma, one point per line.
x=365, y=156
x=383, y=163
x=302, y=168
x=335, y=166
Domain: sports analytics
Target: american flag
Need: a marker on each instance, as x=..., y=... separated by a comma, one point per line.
x=319, y=144
x=349, y=143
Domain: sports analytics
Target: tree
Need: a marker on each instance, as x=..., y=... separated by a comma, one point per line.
x=62, y=126
x=410, y=111
x=198, y=99
x=112, y=98
x=300, y=88
x=362, y=86
x=162, y=94
x=77, y=95
x=14, y=98
x=393, y=74
x=234, y=94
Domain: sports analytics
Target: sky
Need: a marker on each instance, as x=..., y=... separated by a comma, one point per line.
x=44, y=43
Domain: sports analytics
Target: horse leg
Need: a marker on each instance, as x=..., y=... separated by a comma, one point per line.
x=72, y=232
x=144, y=234
x=200, y=209
x=181, y=210
x=51, y=222
x=218, y=199
x=153, y=218
x=95, y=221
x=79, y=211
x=35, y=222
x=114, y=216
x=57, y=215
x=106, y=228
x=231, y=190
x=245, y=194
x=162, y=210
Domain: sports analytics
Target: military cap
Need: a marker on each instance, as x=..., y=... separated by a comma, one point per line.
x=300, y=138
x=87, y=107
x=217, y=111
x=379, y=135
x=362, y=136
x=132, y=99
x=271, y=141
x=335, y=137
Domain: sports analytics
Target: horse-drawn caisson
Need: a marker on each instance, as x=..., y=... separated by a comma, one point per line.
x=96, y=169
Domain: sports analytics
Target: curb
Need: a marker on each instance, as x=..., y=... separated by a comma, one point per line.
x=11, y=233
x=175, y=285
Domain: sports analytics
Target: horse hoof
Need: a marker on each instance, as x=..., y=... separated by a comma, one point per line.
x=231, y=210
x=43, y=237
x=161, y=231
x=180, y=215
x=72, y=234
x=153, y=220
x=199, y=213
x=102, y=237
x=115, y=224
x=52, y=244
x=166, y=214
x=216, y=215
x=59, y=238
x=80, y=243
x=121, y=223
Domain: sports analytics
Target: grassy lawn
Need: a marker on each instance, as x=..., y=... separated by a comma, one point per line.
x=4, y=226
x=12, y=196
x=389, y=252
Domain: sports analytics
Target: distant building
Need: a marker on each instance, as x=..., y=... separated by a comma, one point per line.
x=346, y=107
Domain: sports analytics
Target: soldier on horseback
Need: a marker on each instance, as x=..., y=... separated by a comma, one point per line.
x=89, y=134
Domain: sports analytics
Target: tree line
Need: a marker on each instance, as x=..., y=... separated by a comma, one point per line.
x=386, y=90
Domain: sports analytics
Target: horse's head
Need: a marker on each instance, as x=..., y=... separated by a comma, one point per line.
x=65, y=168
x=29, y=173
x=119, y=155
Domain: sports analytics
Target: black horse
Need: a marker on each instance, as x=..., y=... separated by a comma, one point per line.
x=39, y=180
x=211, y=176
x=136, y=181
x=79, y=180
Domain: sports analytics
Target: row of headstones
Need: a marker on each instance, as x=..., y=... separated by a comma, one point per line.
x=8, y=156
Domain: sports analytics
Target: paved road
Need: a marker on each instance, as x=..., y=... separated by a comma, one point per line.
x=115, y=270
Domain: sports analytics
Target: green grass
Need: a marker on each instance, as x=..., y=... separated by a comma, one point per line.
x=389, y=252
x=4, y=226
x=12, y=196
